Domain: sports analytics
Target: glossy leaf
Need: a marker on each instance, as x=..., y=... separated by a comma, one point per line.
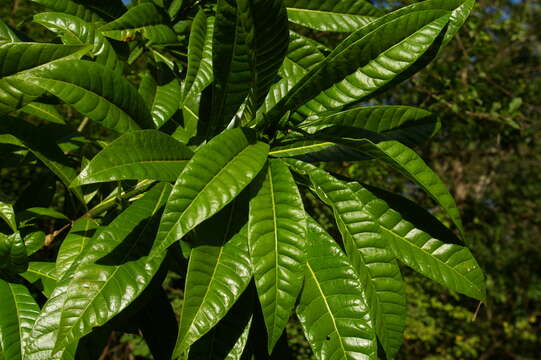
x=199, y=73
x=378, y=119
x=95, y=91
x=17, y=315
x=410, y=164
x=227, y=340
x=7, y=33
x=13, y=256
x=17, y=59
x=449, y=264
x=143, y=154
x=74, y=244
x=231, y=67
x=336, y=16
x=302, y=56
x=145, y=18
x=332, y=308
x=43, y=271
x=267, y=38
x=75, y=31
x=215, y=175
x=8, y=214
x=367, y=249
x=166, y=100
x=382, y=50
x=93, y=294
x=277, y=234
x=219, y=271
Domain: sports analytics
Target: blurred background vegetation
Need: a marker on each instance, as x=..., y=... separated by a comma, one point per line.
x=486, y=90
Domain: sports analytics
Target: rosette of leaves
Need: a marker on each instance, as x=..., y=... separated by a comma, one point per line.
x=209, y=125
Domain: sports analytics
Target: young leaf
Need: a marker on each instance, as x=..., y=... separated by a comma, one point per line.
x=276, y=235
x=143, y=154
x=214, y=176
x=337, y=16
x=96, y=91
x=332, y=308
x=17, y=315
x=218, y=272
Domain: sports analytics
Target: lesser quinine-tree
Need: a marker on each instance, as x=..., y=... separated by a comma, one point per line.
x=209, y=122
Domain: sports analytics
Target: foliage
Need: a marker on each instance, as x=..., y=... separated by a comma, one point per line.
x=204, y=170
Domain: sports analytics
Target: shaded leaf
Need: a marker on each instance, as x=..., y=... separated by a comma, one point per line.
x=44, y=111
x=74, y=244
x=13, y=256
x=219, y=271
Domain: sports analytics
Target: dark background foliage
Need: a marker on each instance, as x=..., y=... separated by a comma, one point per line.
x=485, y=90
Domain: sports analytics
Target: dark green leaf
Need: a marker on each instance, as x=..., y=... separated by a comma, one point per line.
x=333, y=309
x=215, y=175
x=144, y=154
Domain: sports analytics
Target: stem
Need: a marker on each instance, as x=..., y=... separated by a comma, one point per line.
x=107, y=204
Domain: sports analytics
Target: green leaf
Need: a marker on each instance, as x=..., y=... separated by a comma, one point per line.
x=34, y=241
x=7, y=33
x=17, y=59
x=44, y=111
x=267, y=37
x=231, y=67
x=44, y=271
x=366, y=246
x=142, y=154
x=199, y=74
x=71, y=7
x=335, y=16
x=227, y=340
x=382, y=51
x=96, y=292
x=410, y=164
x=332, y=308
x=13, y=256
x=219, y=271
x=277, y=234
x=95, y=91
x=302, y=56
x=215, y=175
x=378, y=119
x=416, y=241
x=145, y=18
x=75, y=31
x=8, y=214
x=167, y=96
x=74, y=244
x=17, y=315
